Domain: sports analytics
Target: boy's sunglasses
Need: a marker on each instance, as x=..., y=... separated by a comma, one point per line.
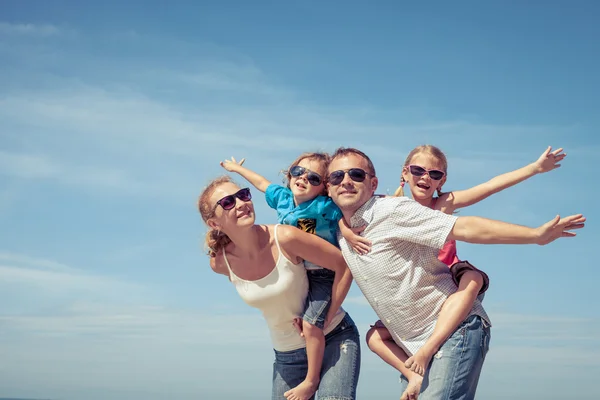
x=356, y=174
x=228, y=202
x=312, y=177
x=434, y=174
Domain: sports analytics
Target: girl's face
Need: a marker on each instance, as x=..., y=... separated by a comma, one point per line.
x=425, y=174
x=233, y=208
x=301, y=186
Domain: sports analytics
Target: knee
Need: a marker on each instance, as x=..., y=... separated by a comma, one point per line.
x=474, y=281
x=309, y=329
x=373, y=338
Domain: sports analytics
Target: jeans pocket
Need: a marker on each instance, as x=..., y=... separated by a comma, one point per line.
x=485, y=340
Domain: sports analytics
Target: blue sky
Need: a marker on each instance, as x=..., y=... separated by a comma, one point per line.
x=114, y=115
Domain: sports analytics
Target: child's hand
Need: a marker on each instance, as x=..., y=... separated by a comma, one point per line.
x=549, y=160
x=231, y=165
x=359, y=244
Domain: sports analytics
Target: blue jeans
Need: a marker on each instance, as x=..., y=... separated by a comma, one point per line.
x=454, y=370
x=320, y=284
x=339, y=372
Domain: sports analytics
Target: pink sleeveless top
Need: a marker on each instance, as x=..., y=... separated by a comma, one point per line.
x=447, y=254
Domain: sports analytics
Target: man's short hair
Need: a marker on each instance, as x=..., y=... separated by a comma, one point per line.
x=345, y=151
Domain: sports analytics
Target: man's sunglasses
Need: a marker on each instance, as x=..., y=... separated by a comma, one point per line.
x=356, y=174
x=434, y=174
x=228, y=202
x=312, y=177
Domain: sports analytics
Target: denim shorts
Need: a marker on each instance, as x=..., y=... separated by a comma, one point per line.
x=454, y=370
x=320, y=283
x=339, y=372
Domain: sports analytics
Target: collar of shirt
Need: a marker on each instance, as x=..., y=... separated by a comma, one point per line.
x=364, y=215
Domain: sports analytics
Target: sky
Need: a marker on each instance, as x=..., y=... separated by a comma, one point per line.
x=114, y=116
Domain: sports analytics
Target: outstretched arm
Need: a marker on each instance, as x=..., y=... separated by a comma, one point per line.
x=548, y=161
x=258, y=181
x=309, y=247
x=487, y=231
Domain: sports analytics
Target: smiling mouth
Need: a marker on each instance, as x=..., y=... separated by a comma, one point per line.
x=423, y=186
x=300, y=185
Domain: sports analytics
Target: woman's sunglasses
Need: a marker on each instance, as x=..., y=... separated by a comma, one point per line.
x=312, y=177
x=228, y=202
x=434, y=174
x=356, y=174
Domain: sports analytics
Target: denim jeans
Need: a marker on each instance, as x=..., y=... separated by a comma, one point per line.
x=339, y=372
x=454, y=370
x=320, y=284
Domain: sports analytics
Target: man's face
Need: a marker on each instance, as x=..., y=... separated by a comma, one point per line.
x=349, y=194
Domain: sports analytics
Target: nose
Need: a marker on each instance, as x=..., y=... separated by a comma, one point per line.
x=347, y=180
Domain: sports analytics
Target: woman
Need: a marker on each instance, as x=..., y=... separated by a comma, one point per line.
x=266, y=265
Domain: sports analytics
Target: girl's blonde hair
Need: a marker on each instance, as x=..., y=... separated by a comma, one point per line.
x=215, y=240
x=322, y=158
x=427, y=149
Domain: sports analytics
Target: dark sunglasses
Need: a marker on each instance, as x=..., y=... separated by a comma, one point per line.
x=228, y=202
x=312, y=177
x=356, y=174
x=434, y=174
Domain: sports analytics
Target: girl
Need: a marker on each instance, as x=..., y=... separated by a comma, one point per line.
x=303, y=203
x=265, y=264
x=425, y=171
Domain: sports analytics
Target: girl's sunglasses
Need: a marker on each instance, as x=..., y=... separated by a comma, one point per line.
x=356, y=174
x=228, y=202
x=434, y=174
x=312, y=177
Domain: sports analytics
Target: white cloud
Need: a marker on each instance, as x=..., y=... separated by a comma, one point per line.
x=28, y=29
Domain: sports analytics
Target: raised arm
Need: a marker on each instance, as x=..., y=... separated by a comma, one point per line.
x=487, y=231
x=548, y=161
x=258, y=181
x=309, y=247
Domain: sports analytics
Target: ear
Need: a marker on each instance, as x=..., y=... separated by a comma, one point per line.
x=405, y=173
x=328, y=189
x=213, y=224
x=374, y=184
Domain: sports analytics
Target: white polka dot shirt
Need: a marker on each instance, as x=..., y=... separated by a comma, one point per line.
x=401, y=277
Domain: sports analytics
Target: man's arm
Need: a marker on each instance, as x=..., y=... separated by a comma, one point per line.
x=487, y=231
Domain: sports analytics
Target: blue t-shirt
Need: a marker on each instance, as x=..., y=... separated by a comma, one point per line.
x=319, y=216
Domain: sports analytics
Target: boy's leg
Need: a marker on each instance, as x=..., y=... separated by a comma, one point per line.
x=317, y=306
x=453, y=312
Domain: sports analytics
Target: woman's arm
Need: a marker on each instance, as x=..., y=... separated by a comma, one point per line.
x=548, y=161
x=258, y=181
x=217, y=264
x=302, y=245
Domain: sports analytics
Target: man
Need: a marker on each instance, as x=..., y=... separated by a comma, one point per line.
x=405, y=283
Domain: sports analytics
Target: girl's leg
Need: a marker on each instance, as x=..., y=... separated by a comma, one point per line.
x=453, y=313
x=380, y=342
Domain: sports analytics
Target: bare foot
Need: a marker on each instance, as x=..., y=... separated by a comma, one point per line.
x=413, y=389
x=420, y=361
x=303, y=391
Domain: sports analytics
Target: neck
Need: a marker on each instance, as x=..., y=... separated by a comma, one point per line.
x=428, y=202
x=246, y=241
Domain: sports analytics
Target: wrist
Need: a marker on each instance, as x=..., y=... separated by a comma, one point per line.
x=534, y=169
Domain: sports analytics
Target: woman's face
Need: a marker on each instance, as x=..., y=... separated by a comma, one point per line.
x=233, y=208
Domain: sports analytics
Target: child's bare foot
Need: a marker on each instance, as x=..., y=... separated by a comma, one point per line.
x=413, y=389
x=419, y=362
x=303, y=391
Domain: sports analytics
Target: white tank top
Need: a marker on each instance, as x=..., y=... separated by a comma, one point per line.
x=280, y=295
